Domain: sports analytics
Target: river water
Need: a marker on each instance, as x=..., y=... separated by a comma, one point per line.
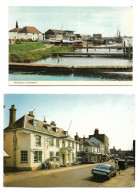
x=78, y=61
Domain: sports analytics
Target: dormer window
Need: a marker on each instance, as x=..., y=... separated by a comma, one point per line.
x=55, y=129
x=48, y=127
x=35, y=123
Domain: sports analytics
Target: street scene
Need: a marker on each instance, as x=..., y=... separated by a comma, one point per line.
x=39, y=153
x=76, y=176
x=92, y=47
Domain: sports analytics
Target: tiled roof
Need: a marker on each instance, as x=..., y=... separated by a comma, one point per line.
x=56, y=31
x=29, y=29
x=27, y=123
x=18, y=124
x=91, y=144
x=15, y=30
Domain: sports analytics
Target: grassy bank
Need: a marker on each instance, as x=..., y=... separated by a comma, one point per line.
x=29, y=52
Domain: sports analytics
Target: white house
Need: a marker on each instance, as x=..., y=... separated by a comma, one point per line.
x=28, y=32
x=98, y=143
x=30, y=142
x=91, y=149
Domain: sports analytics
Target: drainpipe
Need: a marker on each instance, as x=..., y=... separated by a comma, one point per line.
x=14, y=148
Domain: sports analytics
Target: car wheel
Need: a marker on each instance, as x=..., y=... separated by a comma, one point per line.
x=114, y=175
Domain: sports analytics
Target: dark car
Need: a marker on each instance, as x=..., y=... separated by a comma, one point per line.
x=122, y=164
x=104, y=170
x=130, y=160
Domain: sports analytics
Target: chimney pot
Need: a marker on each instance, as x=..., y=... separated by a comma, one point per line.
x=12, y=115
x=53, y=123
x=31, y=114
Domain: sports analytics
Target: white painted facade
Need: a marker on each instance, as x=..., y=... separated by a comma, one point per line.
x=32, y=36
x=98, y=142
x=18, y=141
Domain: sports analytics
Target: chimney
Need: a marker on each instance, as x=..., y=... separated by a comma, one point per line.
x=16, y=24
x=96, y=132
x=31, y=114
x=76, y=137
x=44, y=119
x=53, y=123
x=12, y=115
x=84, y=138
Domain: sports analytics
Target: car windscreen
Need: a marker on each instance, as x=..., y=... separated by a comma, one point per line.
x=102, y=167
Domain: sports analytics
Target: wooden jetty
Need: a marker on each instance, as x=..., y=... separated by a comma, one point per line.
x=64, y=69
x=102, y=47
x=76, y=54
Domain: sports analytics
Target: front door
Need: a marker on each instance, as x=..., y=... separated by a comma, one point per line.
x=63, y=158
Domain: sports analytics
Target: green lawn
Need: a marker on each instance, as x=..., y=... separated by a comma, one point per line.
x=29, y=52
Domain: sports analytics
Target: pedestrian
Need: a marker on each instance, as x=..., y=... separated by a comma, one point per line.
x=117, y=166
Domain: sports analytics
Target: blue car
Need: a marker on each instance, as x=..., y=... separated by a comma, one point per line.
x=104, y=170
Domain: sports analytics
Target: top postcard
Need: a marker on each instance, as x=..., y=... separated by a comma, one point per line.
x=66, y=45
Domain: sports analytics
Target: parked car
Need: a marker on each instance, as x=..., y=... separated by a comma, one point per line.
x=116, y=158
x=130, y=160
x=122, y=164
x=104, y=170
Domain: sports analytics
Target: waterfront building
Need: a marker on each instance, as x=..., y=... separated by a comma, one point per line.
x=31, y=142
x=53, y=34
x=97, y=36
x=26, y=33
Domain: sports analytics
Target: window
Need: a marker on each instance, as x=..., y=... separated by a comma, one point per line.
x=51, y=156
x=52, y=141
x=24, y=156
x=48, y=127
x=73, y=145
x=57, y=155
x=80, y=147
x=72, y=156
x=57, y=142
x=63, y=143
x=38, y=156
x=86, y=149
x=69, y=144
x=38, y=140
x=35, y=123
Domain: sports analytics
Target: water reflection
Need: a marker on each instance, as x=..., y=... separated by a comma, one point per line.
x=85, y=61
x=60, y=76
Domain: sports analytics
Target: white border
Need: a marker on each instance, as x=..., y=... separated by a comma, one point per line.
x=61, y=89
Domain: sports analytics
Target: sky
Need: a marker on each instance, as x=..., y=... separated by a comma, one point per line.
x=113, y=115
x=82, y=19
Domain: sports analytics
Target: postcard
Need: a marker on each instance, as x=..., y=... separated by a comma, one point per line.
x=70, y=45
x=70, y=140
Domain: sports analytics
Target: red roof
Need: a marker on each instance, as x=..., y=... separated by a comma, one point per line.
x=15, y=30
x=29, y=29
x=56, y=31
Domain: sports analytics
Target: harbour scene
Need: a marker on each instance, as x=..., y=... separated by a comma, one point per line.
x=69, y=55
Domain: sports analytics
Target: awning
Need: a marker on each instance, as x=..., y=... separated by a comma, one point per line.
x=5, y=154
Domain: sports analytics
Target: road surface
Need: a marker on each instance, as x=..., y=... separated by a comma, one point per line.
x=77, y=176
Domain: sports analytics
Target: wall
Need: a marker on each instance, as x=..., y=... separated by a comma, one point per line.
x=8, y=146
x=26, y=141
x=23, y=143
x=16, y=35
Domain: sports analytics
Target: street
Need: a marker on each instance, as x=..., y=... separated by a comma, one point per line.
x=77, y=176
